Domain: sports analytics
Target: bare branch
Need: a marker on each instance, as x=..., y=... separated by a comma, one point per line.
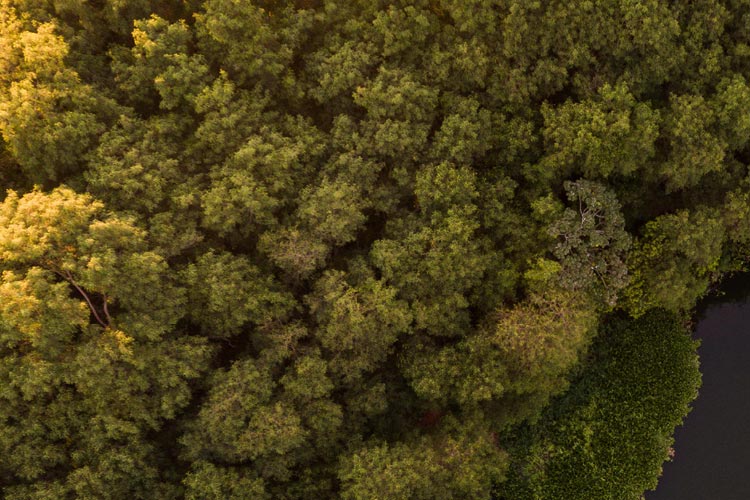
x=106, y=309
x=70, y=279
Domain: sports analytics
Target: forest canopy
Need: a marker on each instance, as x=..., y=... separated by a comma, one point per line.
x=304, y=249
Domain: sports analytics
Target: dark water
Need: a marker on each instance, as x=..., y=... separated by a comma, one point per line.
x=712, y=460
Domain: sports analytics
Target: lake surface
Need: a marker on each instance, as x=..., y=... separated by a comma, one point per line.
x=712, y=448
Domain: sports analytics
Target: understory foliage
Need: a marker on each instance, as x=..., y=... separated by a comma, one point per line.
x=304, y=249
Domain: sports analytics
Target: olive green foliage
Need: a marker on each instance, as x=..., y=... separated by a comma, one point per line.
x=445, y=467
x=673, y=259
x=525, y=352
x=92, y=358
x=609, y=435
x=296, y=249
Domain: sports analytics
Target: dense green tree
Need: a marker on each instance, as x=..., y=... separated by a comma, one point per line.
x=261, y=179
x=159, y=70
x=91, y=362
x=320, y=248
x=206, y=481
x=673, y=260
x=434, y=258
x=452, y=466
x=136, y=166
x=613, y=134
x=525, y=353
x=49, y=119
x=227, y=292
x=694, y=150
x=358, y=325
